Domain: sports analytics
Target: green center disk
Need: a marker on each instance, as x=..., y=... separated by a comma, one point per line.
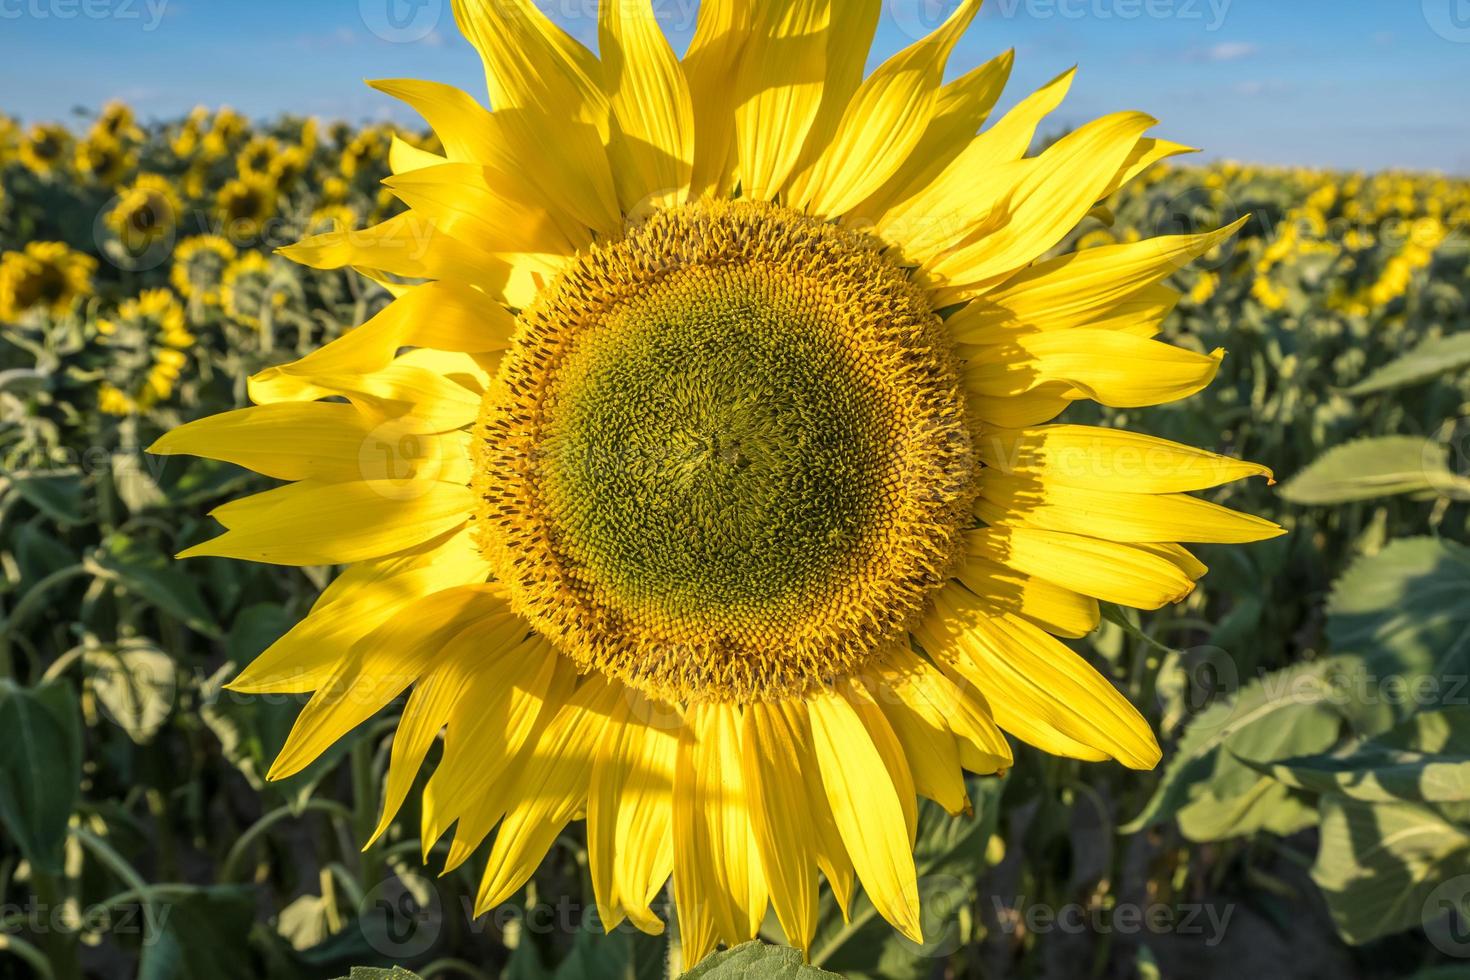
x=714, y=451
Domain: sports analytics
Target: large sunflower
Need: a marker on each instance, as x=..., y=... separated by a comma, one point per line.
x=697, y=481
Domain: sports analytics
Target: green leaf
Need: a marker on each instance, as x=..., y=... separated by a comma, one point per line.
x=756, y=961
x=1281, y=715
x=152, y=577
x=1379, y=865
x=205, y=933
x=1435, y=356
x=1266, y=806
x=135, y=682
x=40, y=767
x=1396, y=618
x=58, y=497
x=135, y=486
x=379, y=973
x=1369, y=468
x=1427, y=759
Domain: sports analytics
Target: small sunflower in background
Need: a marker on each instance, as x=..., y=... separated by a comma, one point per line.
x=199, y=265
x=186, y=141
x=256, y=157
x=45, y=148
x=364, y=149
x=102, y=159
x=10, y=136
x=721, y=503
x=226, y=129
x=147, y=211
x=47, y=276
x=289, y=166
x=145, y=344
x=243, y=205
x=117, y=121
x=249, y=290
x=335, y=190
x=331, y=218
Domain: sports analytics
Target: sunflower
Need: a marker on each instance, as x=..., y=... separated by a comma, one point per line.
x=44, y=148
x=145, y=343
x=46, y=276
x=244, y=204
x=102, y=158
x=289, y=165
x=246, y=290
x=146, y=212
x=118, y=122
x=703, y=484
x=199, y=265
x=257, y=156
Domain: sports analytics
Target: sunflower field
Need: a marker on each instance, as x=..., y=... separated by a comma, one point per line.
x=1311, y=816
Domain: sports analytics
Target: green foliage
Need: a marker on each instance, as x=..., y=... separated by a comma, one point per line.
x=756, y=961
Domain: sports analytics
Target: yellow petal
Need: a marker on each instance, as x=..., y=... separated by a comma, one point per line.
x=405, y=157
x=1038, y=689
x=1111, y=368
x=1078, y=288
x=551, y=788
x=289, y=441
x=630, y=851
x=406, y=245
x=384, y=663
x=1091, y=456
x=361, y=598
x=867, y=806
x=423, y=391
x=943, y=212
x=482, y=646
x=490, y=734
x=311, y=523
x=712, y=60
x=1115, y=515
x=930, y=748
x=779, y=91
x=563, y=162
x=883, y=122
x=1107, y=570
x=446, y=316
x=652, y=141
x=1010, y=588
x=487, y=209
x=532, y=63
x=957, y=708
x=781, y=819
x=717, y=863
x=1054, y=192
x=961, y=109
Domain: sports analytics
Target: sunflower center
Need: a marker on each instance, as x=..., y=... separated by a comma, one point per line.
x=726, y=457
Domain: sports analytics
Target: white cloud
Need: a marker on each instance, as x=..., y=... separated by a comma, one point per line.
x=1227, y=51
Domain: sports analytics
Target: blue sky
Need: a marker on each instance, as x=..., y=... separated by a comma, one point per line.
x=1364, y=84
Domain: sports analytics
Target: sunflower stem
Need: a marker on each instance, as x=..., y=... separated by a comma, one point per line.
x=365, y=812
x=58, y=943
